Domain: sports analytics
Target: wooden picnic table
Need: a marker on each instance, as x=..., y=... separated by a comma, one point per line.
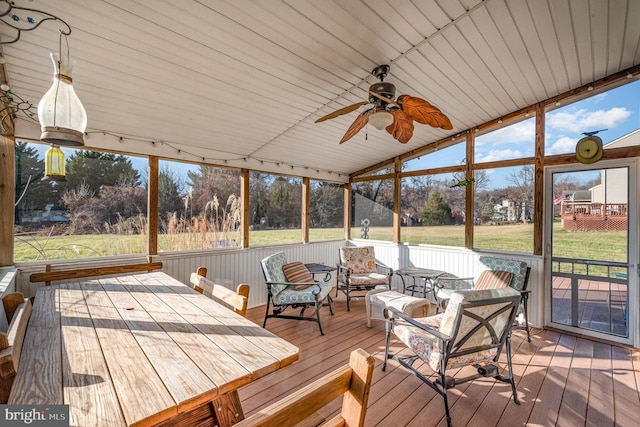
x=141, y=350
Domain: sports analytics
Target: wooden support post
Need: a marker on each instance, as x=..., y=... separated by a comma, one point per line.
x=538, y=182
x=306, y=205
x=152, y=206
x=244, y=197
x=397, y=211
x=7, y=192
x=347, y=211
x=469, y=216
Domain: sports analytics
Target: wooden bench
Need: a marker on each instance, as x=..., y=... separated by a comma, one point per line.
x=235, y=300
x=352, y=380
x=18, y=310
x=49, y=276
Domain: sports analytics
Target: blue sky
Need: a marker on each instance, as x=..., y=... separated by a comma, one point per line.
x=617, y=110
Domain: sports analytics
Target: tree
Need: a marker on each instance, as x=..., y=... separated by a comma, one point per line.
x=258, y=197
x=326, y=204
x=97, y=169
x=437, y=210
x=522, y=195
x=31, y=192
x=488, y=209
x=285, y=203
x=415, y=191
x=169, y=192
x=209, y=183
x=372, y=200
x=112, y=210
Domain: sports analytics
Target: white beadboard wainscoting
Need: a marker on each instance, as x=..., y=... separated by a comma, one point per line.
x=230, y=267
x=461, y=262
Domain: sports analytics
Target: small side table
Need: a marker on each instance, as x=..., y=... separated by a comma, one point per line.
x=315, y=268
x=429, y=278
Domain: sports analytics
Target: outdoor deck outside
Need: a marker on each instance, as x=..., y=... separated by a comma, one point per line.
x=594, y=216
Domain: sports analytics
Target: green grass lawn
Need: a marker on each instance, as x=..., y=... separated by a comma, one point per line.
x=590, y=245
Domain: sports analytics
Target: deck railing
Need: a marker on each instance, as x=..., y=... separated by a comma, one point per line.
x=590, y=294
x=594, y=216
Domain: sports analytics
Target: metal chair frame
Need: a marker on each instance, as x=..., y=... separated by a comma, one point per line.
x=450, y=346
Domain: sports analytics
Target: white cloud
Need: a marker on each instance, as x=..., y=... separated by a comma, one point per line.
x=521, y=132
x=599, y=97
x=583, y=120
x=562, y=145
x=495, y=155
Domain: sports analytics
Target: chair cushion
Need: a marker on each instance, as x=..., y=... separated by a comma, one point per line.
x=366, y=279
x=518, y=268
x=311, y=294
x=426, y=346
x=493, y=279
x=297, y=272
x=272, y=268
x=358, y=259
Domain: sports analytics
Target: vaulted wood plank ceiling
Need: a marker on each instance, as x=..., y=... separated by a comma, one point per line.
x=243, y=81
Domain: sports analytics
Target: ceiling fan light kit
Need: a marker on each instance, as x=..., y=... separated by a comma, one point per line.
x=396, y=117
x=381, y=119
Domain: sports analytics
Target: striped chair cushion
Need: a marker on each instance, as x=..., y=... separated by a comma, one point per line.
x=296, y=272
x=493, y=279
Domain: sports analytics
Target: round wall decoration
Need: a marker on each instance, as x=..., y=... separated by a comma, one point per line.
x=589, y=149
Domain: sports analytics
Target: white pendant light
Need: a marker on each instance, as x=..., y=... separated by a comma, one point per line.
x=62, y=116
x=381, y=119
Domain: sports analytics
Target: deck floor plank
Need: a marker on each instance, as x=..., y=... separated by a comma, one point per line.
x=600, y=411
x=561, y=380
x=573, y=409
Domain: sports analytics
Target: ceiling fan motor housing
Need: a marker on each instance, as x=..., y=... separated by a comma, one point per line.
x=385, y=89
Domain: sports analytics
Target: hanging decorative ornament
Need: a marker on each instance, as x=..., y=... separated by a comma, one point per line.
x=589, y=149
x=62, y=116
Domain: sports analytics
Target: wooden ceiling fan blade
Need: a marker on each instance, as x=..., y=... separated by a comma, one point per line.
x=423, y=112
x=402, y=126
x=384, y=98
x=340, y=112
x=357, y=124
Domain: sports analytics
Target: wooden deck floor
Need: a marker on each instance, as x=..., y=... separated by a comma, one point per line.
x=561, y=379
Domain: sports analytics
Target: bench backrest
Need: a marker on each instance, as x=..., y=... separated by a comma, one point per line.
x=237, y=300
x=18, y=310
x=48, y=276
x=353, y=381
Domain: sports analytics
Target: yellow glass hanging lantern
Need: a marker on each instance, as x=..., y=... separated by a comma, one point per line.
x=54, y=165
x=62, y=116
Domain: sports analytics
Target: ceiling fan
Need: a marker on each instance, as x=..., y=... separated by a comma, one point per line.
x=395, y=116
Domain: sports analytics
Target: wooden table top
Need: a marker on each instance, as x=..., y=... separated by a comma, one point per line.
x=137, y=350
